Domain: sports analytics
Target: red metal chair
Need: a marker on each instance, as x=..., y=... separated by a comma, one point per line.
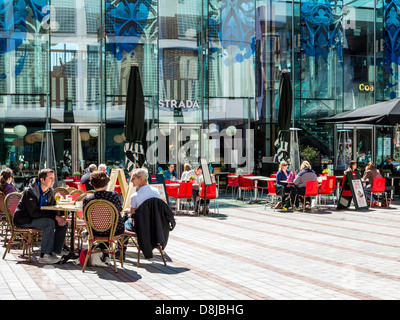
x=378, y=188
x=233, y=182
x=81, y=187
x=272, y=194
x=211, y=194
x=172, y=191
x=245, y=184
x=311, y=191
x=25, y=236
x=326, y=188
x=184, y=192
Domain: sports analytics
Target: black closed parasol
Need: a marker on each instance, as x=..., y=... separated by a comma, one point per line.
x=134, y=121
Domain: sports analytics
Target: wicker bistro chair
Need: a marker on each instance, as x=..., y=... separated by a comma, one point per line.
x=62, y=191
x=24, y=236
x=3, y=218
x=102, y=216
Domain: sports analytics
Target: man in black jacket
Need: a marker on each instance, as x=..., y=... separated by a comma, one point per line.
x=52, y=223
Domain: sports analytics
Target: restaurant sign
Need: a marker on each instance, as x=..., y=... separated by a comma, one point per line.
x=178, y=104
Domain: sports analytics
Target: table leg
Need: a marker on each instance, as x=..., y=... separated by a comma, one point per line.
x=71, y=254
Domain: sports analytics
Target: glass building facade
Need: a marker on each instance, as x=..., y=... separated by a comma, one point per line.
x=215, y=64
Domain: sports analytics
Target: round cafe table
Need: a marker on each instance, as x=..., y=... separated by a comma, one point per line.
x=67, y=207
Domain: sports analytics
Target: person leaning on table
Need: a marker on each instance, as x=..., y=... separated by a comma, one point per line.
x=52, y=223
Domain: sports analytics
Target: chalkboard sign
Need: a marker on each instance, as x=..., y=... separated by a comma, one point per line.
x=352, y=189
x=157, y=181
x=206, y=172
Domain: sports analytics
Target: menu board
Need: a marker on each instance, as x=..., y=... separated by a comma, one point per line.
x=358, y=193
x=352, y=190
x=206, y=172
x=157, y=181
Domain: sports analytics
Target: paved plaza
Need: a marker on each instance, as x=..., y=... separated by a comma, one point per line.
x=243, y=253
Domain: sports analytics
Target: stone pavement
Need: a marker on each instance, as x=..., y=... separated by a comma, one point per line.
x=244, y=253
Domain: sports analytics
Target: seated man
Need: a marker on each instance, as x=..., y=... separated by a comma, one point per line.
x=52, y=223
x=143, y=192
x=86, y=177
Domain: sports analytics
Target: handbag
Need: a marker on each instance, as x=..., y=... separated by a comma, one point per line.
x=291, y=177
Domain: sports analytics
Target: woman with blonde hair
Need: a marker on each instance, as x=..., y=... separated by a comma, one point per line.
x=186, y=169
x=300, y=182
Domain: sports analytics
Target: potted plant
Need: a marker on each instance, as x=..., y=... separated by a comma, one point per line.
x=77, y=176
x=311, y=155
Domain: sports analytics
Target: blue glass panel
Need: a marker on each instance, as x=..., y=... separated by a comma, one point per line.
x=321, y=28
x=125, y=23
x=14, y=16
x=231, y=23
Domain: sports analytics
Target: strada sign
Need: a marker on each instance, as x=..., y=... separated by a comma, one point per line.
x=176, y=104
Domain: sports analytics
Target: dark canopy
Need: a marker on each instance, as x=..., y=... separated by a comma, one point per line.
x=383, y=113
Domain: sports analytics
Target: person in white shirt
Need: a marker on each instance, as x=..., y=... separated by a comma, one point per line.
x=144, y=192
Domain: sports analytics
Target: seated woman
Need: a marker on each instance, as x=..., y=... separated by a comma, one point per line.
x=170, y=173
x=369, y=175
x=352, y=166
x=185, y=174
x=282, y=188
x=300, y=182
x=99, y=180
x=6, y=177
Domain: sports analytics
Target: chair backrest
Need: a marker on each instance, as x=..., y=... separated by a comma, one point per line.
x=185, y=190
x=271, y=187
x=211, y=191
x=332, y=181
x=76, y=192
x=10, y=205
x=326, y=187
x=233, y=181
x=378, y=185
x=2, y=199
x=75, y=195
x=272, y=175
x=311, y=188
x=82, y=187
x=101, y=216
x=62, y=191
x=247, y=182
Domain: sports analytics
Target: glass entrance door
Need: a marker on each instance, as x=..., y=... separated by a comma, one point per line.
x=76, y=147
x=182, y=146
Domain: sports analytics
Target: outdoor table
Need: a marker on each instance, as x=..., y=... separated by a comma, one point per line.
x=256, y=179
x=218, y=174
x=67, y=206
